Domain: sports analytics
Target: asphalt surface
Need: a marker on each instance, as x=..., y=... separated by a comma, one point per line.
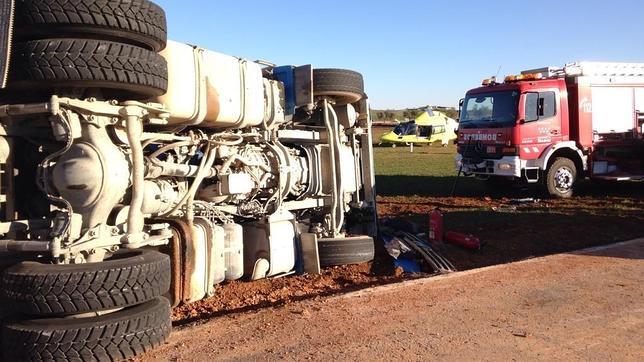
x=578, y=306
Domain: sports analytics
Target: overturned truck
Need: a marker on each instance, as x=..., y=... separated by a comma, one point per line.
x=138, y=173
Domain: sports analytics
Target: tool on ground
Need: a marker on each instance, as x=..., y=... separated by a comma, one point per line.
x=460, y=171
x=464, y=240
x=436, y=261
x=436, y=226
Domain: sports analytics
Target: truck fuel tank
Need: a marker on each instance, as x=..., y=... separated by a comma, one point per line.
x=212, y=90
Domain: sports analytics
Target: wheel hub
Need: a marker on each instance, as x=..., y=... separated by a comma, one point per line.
x=563, y=179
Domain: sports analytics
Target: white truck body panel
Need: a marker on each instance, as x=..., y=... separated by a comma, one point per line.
x=613, y=109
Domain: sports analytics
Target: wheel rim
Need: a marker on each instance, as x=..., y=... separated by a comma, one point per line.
x=564, y=179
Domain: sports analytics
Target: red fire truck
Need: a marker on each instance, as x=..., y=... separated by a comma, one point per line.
x=555, y=125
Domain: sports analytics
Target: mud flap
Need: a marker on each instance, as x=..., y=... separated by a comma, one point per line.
x=6, y=34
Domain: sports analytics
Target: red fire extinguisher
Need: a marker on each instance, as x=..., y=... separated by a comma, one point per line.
x=436, y=226
x=463, y=240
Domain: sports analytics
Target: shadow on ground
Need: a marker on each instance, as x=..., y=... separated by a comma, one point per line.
x=470, y=187
x=509, y=237
x=601, y=214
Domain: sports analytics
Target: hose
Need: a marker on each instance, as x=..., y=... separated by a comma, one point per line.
x=460, y=170
x=177, y=170
x=169, y=147
x=209, y=156
x=162, y=137
x=207, y=161
x=206, y=164
x=42, y=175
x=196, y=181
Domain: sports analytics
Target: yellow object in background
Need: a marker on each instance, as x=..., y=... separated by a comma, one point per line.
x=429, y=127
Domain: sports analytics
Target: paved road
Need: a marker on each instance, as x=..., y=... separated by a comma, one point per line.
x=587, y=306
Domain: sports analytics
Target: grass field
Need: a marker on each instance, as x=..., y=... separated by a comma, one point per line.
x=428, y=170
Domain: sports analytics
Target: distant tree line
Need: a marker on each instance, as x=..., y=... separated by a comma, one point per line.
x=451, y=113
x=384, y=116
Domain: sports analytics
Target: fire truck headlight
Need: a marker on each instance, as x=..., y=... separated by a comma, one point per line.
x=506, y=166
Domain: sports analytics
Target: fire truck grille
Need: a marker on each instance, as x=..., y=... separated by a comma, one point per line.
x=472, y=152
x=478, y=166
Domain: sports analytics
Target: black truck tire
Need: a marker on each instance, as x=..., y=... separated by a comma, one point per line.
x=344, y=86
x=88, y=64
x=111, y=337
x=128, y=278
x=560, y=178
x=136, y=22
x=344, y=251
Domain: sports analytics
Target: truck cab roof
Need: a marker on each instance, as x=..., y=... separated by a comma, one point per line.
x=516, y=86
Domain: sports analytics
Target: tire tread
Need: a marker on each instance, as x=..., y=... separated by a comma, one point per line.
x=40, y=292
x=334, y=252
x=330, y=81
x=125, y=21
x=89, y=64
x=113, y=337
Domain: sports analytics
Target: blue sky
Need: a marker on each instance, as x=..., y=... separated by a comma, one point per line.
x=410, y=52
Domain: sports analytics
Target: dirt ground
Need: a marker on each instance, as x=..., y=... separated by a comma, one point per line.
x=580, y=306
x=509, y=231
x=243, y=296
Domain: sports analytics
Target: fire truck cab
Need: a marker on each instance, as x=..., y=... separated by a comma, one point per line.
x=555, y=125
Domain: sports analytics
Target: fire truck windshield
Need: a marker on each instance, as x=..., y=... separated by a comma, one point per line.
x=490, y=110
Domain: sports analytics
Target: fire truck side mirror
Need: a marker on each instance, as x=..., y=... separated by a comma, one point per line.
x=531, y=107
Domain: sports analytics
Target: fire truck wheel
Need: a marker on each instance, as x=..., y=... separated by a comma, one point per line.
x=344, y=251
x=127, y=278
x=128, y=71
x=110, y=337
x=560, y=178
x=344, y=86
x=136, y=22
